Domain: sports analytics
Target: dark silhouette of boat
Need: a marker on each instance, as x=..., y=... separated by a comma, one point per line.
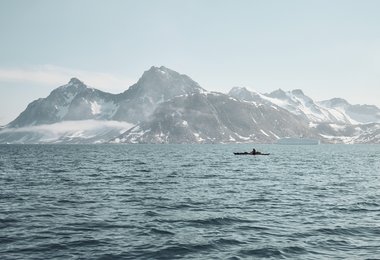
x=254, y=152
x=246, y=153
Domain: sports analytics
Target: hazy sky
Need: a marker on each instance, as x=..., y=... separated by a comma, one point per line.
x=327, y=48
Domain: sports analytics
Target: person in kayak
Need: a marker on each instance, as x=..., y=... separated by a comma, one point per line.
x=255, y=152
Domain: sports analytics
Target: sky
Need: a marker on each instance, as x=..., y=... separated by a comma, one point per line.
x=327, y=48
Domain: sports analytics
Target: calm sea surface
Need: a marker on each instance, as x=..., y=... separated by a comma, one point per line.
x=189, y=201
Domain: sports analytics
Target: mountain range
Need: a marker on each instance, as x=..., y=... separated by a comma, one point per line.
x=165, y=106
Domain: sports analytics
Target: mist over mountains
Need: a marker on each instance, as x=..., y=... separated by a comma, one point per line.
x=165, y=106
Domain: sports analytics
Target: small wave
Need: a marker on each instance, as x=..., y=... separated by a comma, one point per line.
x=8, y=240
x=219, y=221
x=178, y=251
x=175, y=207
x=173, y=174
x=354, y=231
x=90, y=226
x=360, y=207
x=257, y=200
x=7, y=222
x=226, y=241
x=150, y=213
x=262, y=252
x=208, y=176
x=232, y=191
x=138, y=162
x=59, y=171
x=356, y=209
x=100, y=169
x=143, y=170
x=68, y=201
x=161, y=232
x=142, y=183
x=187, y=165
x=294, y=250
x=252, y=228
x=122, y=160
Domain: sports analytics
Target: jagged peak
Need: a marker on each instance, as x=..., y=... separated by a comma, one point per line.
x=298, y=92
x=163, y=76
x=160, y=71
x=279, y=93
x=243, y=93
x=338, y=100
x=73, y=86
x=335, y=102
x=238, y=89
x=75, y=81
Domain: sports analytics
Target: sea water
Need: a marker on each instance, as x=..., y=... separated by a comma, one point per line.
x=189, y=202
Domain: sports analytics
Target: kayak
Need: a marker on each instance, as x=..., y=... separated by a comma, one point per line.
x=246, y=153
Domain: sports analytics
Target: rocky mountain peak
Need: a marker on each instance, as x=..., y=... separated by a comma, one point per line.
x=335, y=102
x=73, y=86
x=298, y=92
x=163, y=81
x=279, y=93
x=243, y=93
x=239, y=90
x=75, y=81
x=162, y=74
x=158, y=72
x=162, y=70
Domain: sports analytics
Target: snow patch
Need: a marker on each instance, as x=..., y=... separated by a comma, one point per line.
x=198, y=137
x=262, y=131
x=95, y=108
x=277, y=137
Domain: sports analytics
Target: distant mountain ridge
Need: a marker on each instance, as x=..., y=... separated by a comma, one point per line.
x=335, y=120
x=335, y=110
x=164, y=106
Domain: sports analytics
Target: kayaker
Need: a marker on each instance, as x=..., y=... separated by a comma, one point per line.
x=255, y=152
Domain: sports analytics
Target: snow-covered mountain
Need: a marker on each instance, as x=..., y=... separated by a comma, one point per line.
x=215, y=118
x=298, y=103
x=73, y=101
x=348, y=133
x=165, y=106
x=335, y=110
x=155, y=86
x=358, y=114
x=335, y=120
x=90, y=115
x=77, y=101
